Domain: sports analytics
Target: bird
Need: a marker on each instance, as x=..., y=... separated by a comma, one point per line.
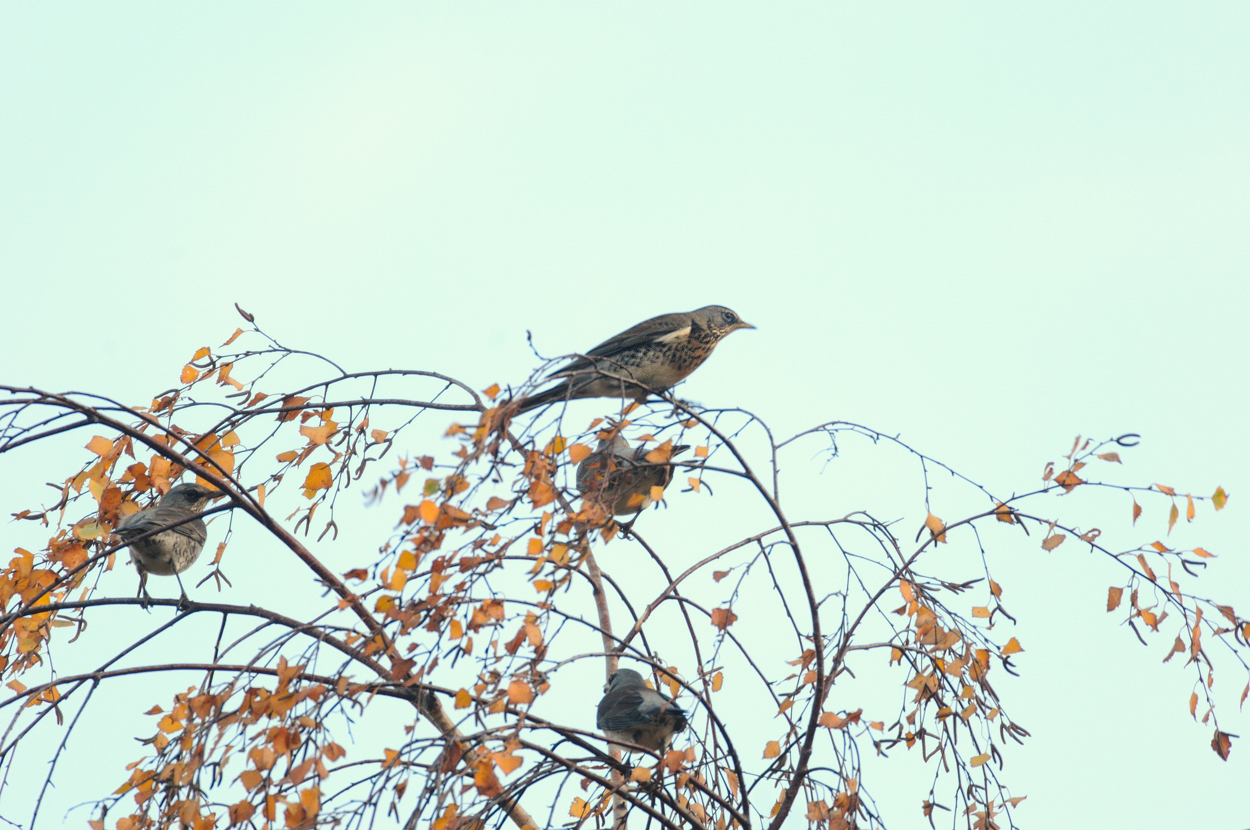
x=620, y=478
x=169, y=551
x=632, y=713
x=655, y=354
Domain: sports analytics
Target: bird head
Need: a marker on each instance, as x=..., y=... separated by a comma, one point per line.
x=192, y=497
x=624, y=677
x=719, y=320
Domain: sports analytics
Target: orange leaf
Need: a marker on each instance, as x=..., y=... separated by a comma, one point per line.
x=1222, y=743
x=520, y=693
x=292, y=400
x=1204, y=554
x=640, y=774
x=240, y=813
x=722, y=618
x=486, y=781
x=772, y=749
x=1053, y=541
x=578, y=453
x=1189, y=510
x=978, y=760
x=1110, y=456
x=1013, y=646
x=1068, y=480
x=936, y=529
x=491, y=391
x=1113, y=598
x=981, y=612
x=1166, y=490
x=1136, y=511
x=507, y=763
x=428, y=511
x=189, y=374
x=1003, y=513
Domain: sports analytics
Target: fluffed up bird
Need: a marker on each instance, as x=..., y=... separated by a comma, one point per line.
x=655, y=354
x=169, y=551
x=632, y=713
x=620, y=478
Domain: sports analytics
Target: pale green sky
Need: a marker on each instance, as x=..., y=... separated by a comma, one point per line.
x=984, y=227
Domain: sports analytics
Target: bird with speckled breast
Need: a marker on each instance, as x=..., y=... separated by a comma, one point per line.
x=165, y=540
x=652, y=356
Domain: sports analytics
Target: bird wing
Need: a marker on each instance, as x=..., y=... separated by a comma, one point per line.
x=632, y=707
x=622, y=711
x=648, y=331
x=153, y=519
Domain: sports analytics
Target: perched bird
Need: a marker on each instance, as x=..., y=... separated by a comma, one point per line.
x=632, y=713
x=620, y=478
x=169, y=551
x=656, y=354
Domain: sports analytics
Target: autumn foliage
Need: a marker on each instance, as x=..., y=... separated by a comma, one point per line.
x=470, y=638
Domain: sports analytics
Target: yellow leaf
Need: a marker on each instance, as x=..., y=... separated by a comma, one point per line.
x=772, y=749
x=980, y=611
x=1003, y=513
x=491, y=391
x=288, y=456
x=1189, y=509
x=1013, y=646
x=319, y=435
x=718, y=680
x=694, y=483
x=100, y=445
x=978, y=760
x=578, y=453
x=700, y=452
x=640, y=774
x=1220, y=498
x=936, y=529
x=201, y=353
x=189, y=374
x=1173, y=515
x=580, y=808
x=319, y=478
x=463, y=700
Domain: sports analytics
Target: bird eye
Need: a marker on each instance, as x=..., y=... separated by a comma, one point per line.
x=729, y=317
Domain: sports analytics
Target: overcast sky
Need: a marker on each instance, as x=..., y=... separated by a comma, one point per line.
x=986, y=228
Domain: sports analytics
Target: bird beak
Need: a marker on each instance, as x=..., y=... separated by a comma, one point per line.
x=743, y=324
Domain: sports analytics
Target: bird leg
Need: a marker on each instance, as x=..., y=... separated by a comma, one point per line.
x=145, y=599
x=182, y=591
